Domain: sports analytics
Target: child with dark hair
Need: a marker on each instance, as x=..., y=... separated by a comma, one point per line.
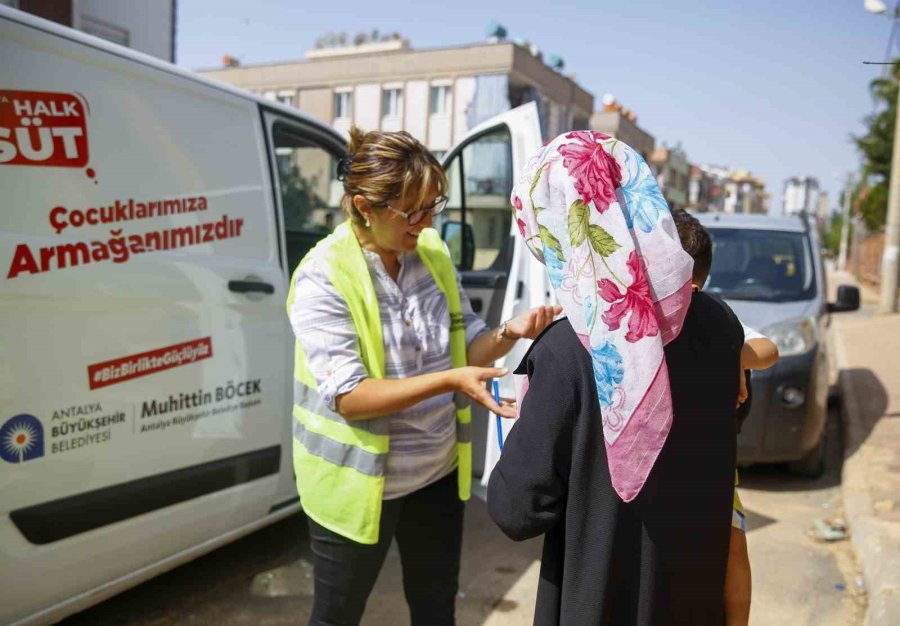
x=758, y=353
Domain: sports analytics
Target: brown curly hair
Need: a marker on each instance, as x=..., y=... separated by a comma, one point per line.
x=384, y=166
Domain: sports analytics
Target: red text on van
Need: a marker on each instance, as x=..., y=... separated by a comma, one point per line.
x=42, y=128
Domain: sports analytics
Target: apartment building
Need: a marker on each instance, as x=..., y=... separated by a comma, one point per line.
x=435, y=94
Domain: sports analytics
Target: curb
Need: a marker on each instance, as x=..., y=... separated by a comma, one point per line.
x=874, y=540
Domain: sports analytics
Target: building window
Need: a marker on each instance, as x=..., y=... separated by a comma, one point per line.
x=391, y=102
x=343, y=101
x=285, y=97
x=440, y=99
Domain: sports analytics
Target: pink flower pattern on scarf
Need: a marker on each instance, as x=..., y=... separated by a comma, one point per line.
x=597, y=174
x=636, y=300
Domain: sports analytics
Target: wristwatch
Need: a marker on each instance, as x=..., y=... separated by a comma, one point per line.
x=502, y=331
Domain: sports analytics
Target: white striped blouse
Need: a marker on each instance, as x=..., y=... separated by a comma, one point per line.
x=416, y=326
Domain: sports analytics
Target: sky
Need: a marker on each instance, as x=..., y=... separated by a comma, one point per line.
x=773, y=86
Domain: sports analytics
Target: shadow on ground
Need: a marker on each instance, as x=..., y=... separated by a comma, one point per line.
x=778, y=477
x=264, y=579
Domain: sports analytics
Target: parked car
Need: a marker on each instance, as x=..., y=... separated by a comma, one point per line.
x=770, y=271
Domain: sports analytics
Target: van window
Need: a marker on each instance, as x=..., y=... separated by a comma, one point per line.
x=480, y=179
x=310, y=192
x=764, y=265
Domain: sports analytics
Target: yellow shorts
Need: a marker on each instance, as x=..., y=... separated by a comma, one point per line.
x=738, y=520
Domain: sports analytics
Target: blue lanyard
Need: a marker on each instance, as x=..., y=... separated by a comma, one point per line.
x=496, y=387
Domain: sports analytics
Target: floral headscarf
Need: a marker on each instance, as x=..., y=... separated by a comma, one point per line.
x=590, y=210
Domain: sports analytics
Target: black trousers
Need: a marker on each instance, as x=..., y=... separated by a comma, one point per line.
x=428, y=525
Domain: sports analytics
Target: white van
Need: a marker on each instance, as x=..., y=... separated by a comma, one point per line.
x=150, y=222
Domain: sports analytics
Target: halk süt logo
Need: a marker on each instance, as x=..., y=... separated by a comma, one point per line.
x=21, y=439
x=43, y=128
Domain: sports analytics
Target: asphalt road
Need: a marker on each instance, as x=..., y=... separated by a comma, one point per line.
x=265, y=579
x=798, y=579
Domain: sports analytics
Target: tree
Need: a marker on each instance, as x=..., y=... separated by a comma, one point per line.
x=299, y=199
x=876, y=147
x=832, y=234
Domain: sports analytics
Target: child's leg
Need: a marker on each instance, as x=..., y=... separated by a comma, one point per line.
x=737, y=576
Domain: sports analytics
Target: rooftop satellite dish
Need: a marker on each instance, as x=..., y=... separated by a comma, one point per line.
x=608, y=98
x=496, y=30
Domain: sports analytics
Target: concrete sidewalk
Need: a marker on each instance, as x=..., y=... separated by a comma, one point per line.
x=868, y=356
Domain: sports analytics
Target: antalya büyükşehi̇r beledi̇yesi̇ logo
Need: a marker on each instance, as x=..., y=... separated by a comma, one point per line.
x=21, y=439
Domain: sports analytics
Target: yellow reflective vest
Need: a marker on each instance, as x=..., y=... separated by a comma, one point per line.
x=339, y=464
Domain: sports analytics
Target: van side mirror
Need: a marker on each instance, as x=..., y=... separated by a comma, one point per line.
x=460, y=240
x=847, y=300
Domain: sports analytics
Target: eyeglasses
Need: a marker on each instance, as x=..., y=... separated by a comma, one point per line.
x=414, y=217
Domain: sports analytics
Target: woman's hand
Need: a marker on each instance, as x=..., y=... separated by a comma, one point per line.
x=472, y=380
x=531, y=323
x=742, y=390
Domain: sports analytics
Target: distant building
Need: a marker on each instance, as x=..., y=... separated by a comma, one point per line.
x=436, y=94
x=617, y=121
x=801, y=193
x=672, y=170
x=706, y=192
x=745, y=193
x=714, y=188
x=144, y=25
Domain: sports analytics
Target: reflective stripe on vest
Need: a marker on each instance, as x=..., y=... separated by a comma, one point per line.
x=339, y=464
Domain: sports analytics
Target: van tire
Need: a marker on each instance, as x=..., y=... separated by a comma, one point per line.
x=813, y=464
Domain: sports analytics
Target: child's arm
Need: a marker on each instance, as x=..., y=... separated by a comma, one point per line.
x=527, y=488
x=758, y=354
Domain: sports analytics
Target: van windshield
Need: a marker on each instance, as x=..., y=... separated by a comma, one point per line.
x=764, y=265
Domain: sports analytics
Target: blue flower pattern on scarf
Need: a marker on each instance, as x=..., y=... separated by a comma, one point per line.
x=555, y=267
x=640, y=198
x=608, y=371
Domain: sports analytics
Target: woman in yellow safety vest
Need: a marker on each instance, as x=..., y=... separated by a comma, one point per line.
x=388, y=356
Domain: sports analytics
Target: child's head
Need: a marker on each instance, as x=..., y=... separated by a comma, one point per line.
x=696, y=242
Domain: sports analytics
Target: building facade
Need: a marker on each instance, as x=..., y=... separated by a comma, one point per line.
x=144, y=25
x=436, y=95
x=617, y=121
x=672, y=170
x=801, y=193
x=706, y=190
x=714, y=188
x=745, y=193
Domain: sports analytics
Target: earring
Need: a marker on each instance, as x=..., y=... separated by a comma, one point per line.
x=368, y=223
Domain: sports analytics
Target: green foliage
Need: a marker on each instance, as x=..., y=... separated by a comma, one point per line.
x=873, y=206
x=876, y=147
x=832, y=237
x=299, y=199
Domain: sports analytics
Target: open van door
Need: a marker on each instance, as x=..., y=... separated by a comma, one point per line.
x=303, y=158
x=498, y=273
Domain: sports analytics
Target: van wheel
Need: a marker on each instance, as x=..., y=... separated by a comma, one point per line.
x=813, y=464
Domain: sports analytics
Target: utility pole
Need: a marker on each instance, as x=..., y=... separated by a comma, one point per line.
x=845, y=225
x=889, y=265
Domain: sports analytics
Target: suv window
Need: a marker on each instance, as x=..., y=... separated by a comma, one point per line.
x=764, y=265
